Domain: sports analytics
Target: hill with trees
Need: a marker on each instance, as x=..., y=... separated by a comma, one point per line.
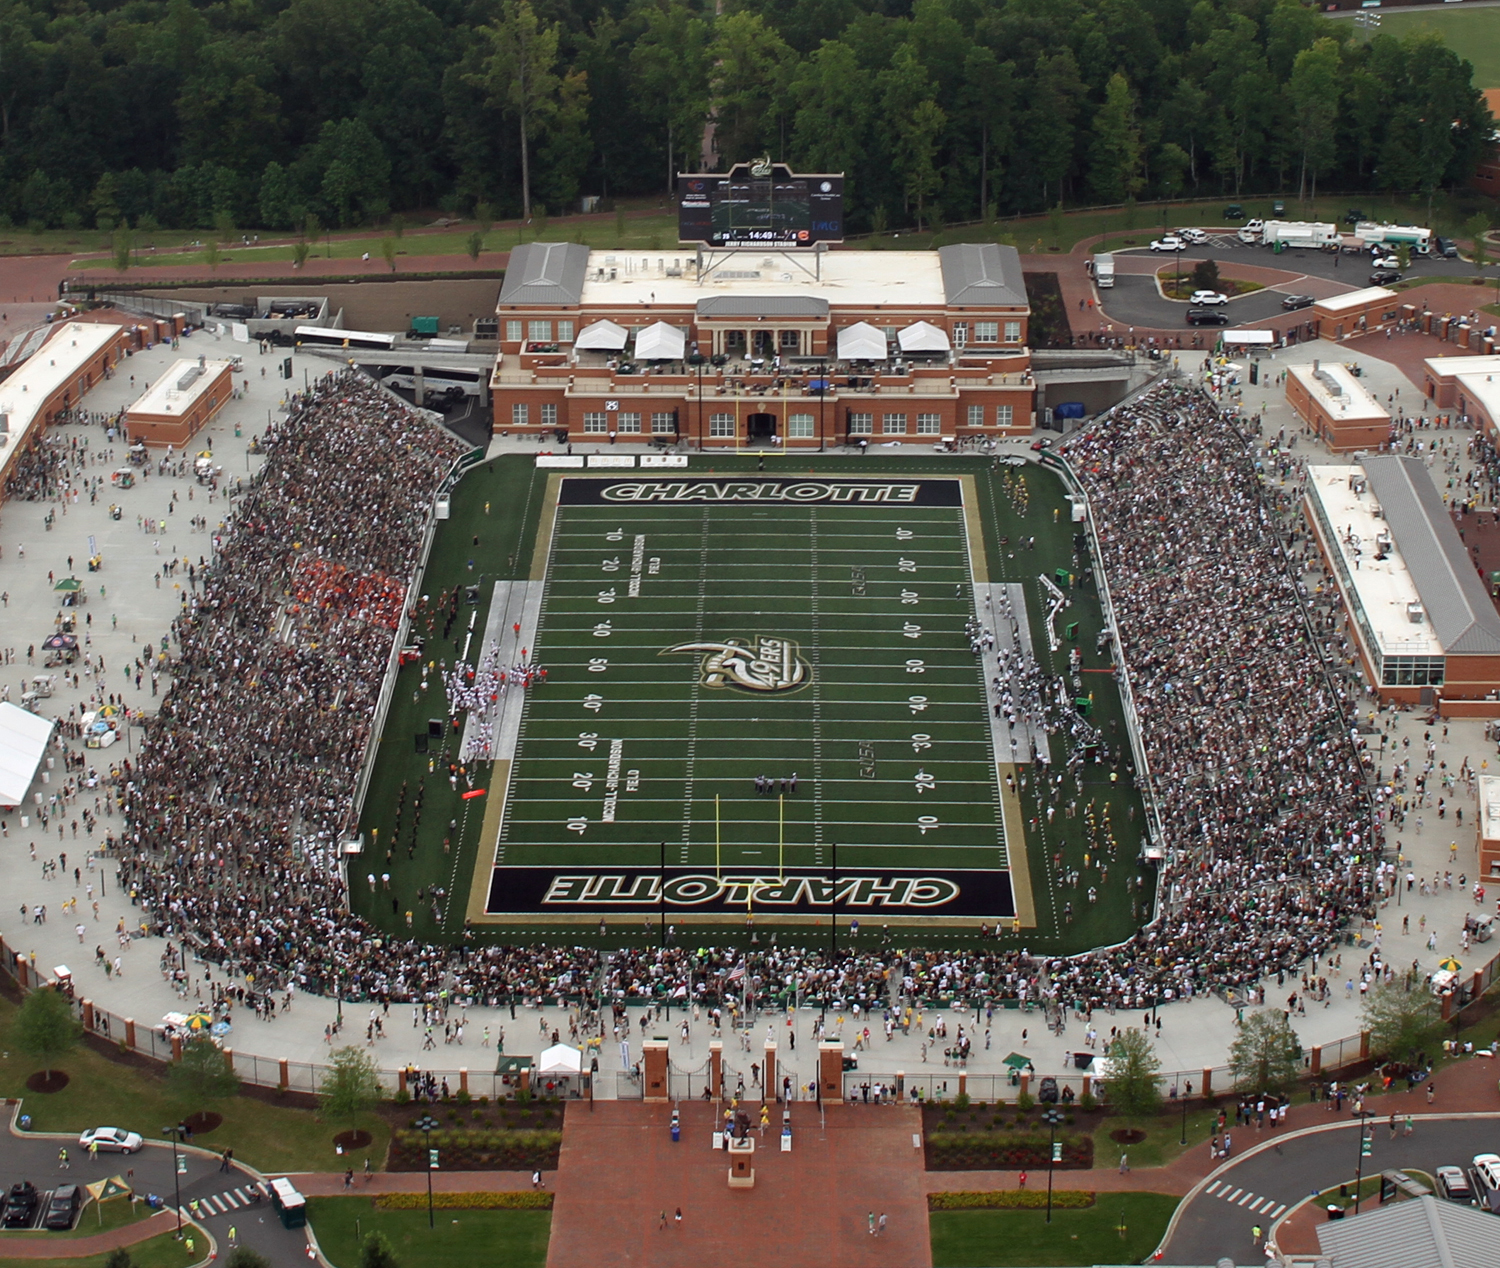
x=179, y=113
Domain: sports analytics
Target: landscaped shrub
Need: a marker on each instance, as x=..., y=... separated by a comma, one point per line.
x=1010, y=1200
x=477, y=1150
x=1006, y=1151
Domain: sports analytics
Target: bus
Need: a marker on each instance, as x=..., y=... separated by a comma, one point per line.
x=324, y=337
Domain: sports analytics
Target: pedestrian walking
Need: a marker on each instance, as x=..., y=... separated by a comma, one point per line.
x=62, y=1159
x=871, y=1220
x=880, y=1226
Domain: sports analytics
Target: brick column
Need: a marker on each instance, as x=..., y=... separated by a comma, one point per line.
x=655, y=1062
x=831, y=1071
x=1025, y=1082
x=770, y=1076
x=1208, y=1082
x=130, y=1033
x=1317, y=1059
x=286, y=1074
x=88, y=1014
x=176, y=1047
x=401, y=1079
x=463, y=1078
x=716, y=1066
x=1364, y=1039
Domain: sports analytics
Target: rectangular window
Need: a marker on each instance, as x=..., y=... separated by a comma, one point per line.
x=976, y=415
x=520, y=415
x=1012, y=332
x=1003, y=415
x=799, y=425
x=565, y=332
x=539, y=331
x=596, y=424
x=929, y=424
x=960, y=333
x=790, y=340
x=986, y=332
x=861, y=424
x=893, y=425
x=721, y=424
x=663, y=424
x=513, y=331
x=630, y=424
x=549, y=415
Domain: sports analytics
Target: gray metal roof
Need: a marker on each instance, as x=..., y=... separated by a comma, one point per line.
x=1462, y=615
x=546, y=274
x=1420, y=1233
x=982, y=274
x=718, y=307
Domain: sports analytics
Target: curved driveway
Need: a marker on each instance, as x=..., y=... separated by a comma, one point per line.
x=1135, y=300
x=1215, y=1218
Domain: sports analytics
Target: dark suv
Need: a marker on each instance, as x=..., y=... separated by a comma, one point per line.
x=1234, y=212
x=20, y=1205
x=1207, y=317
x=62, y=1209
x=1353, y=216
x=1445, y=247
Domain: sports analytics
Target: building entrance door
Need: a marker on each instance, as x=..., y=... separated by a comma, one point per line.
x=760, y=426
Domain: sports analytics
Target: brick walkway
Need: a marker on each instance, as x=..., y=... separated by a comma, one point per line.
x=78, y=1247
x=620, y=1170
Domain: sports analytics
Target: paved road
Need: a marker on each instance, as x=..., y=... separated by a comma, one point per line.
x=1215, y=1220
x=1135, y=300
x=221, y=1196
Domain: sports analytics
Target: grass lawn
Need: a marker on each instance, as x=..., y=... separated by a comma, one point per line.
x=1163, y=1137
x=1473, y=34
x=648, y=233
x=498, y=1239
x=163, y=1251
x=267, y=1136
x=992, y=1239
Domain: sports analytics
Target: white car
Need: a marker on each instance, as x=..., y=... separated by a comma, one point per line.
x=111, y=1140
x=1195, y=236
x=1254, y=226
x=1170, y=243
x=1208, y=297
x=1385, y=262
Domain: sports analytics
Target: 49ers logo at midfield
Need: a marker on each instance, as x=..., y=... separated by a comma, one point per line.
x=759, y=664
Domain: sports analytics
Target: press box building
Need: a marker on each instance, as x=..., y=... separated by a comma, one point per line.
x=803, y=349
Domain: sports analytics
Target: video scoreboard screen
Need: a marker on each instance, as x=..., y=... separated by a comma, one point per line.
x=760, y=203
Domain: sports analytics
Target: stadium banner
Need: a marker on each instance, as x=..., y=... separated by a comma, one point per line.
x=927, y=492
x=980, y=893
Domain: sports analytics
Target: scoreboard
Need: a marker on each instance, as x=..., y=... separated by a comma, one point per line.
x=760, y=203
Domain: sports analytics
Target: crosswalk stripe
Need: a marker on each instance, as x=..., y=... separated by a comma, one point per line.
x=1214, y=1187
x=1257, y=1204
x=1234, y=1195
x=1244, y=1199
x=184, y=1213
x=242, y=1195
x=1276, y=1214
x=231, y=1199
x=218, y=1205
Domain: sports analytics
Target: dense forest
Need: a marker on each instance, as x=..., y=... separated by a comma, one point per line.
x=184, y=113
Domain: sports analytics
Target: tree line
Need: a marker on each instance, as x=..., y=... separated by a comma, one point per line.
x=185, y=114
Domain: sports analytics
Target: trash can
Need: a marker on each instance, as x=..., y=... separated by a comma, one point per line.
x=676, y=1131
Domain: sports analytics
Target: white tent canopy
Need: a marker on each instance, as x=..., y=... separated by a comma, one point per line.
x=1248, y=336
x=861, y=342
x=560, y=1059
x=602, y=335
x=923, y=336
x=23, y=744
x=660, y=342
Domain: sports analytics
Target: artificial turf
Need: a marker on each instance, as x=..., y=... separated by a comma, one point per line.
x=834, y=580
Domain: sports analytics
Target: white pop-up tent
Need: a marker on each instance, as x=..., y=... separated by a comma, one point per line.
x=923, y=336
x=560, y=1059
x=861, y=342
x=660, y=342
x=23, y=744
x=602, y=336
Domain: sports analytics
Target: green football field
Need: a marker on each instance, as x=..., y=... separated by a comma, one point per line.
x=693, y=646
